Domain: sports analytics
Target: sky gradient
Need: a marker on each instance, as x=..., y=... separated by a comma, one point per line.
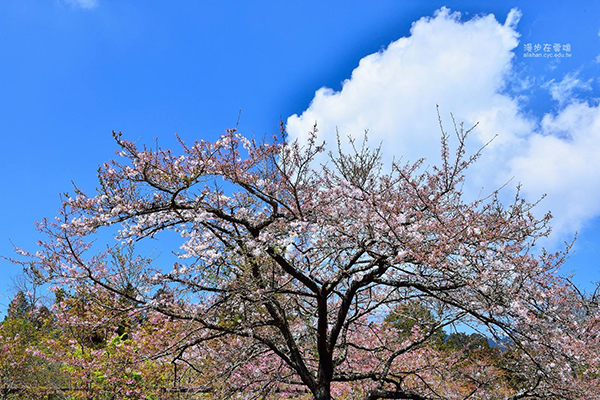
x=74, y=70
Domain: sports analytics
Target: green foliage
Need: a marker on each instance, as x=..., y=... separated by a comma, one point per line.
x=408, y=316
x=19, y=307
x=461, y=341
x=23, y=333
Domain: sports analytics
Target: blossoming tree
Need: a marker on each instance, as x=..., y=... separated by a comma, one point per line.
x=287, y=269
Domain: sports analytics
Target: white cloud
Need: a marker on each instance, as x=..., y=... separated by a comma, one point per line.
x=86, y=4
x=464, y=66
x=562, y=160
x=563, y=90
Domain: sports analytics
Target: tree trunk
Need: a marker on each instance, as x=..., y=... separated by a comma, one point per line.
x=323, y=392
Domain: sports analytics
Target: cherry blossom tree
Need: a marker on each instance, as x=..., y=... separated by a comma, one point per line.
x=288, y=268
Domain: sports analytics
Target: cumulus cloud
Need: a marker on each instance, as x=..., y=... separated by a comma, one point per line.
x=561, y=160
x=465, y=67
x=85, y=4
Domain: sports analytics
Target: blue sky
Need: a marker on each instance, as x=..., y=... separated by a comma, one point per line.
x=73, y=70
